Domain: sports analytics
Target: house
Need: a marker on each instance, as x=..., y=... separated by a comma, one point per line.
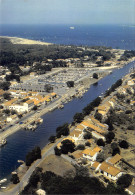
x=7, y=104
x=90, y=126
x=11, y=118
x=115, y=159
x=32, y=74
x=131, y=189
x=76, y=135
x=95, y=165
x=91, y=154
x=40, y=192
x=29, y=104
x=97, y=123
x=110, y=171
x=98, y=135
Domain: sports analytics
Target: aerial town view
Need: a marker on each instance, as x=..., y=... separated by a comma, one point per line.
x=67, y=97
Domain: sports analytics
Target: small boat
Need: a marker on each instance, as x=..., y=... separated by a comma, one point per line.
x=39, y=120
x=3, y=187
x=3, y=181
x=61, y=106
x=72, y=27
x=3, y=142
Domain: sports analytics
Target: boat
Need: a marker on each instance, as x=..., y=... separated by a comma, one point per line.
x=31, y=127
x=3, y=181
x=72, y=27
x=61, y=106
x=3, y=142
x=39, y=120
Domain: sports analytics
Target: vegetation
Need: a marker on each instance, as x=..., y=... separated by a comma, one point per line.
x=67, y=146
x=70, y=83
x=87, y=135
x=57, y=151
x=15, y=179
x=113, y=87
x=33, y=155
x=78, y=117
x=95, y=75
x=109, y=136
x=124, y=144
x=124, y=181
x=100, y=142
x=80, y=147
x=91, y=106
x=62, y=130
x=100, y=157
x=52, y=139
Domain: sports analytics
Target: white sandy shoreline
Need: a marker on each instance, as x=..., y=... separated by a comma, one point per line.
x=23, y=41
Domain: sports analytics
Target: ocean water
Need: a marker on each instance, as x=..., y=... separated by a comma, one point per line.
x=115, y=36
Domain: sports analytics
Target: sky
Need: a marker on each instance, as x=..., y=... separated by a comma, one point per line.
x=67, y=11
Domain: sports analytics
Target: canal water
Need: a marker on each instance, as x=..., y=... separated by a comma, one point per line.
x=20, y=143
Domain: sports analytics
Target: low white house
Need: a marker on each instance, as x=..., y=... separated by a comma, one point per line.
x=76, y=135
x=12, y=118
x=110, y=171
x=90, y=154
x=98, y=135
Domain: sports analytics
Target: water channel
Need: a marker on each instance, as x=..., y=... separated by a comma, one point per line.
x=20, y=143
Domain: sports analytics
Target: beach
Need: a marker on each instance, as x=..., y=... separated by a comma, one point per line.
x=22, y=41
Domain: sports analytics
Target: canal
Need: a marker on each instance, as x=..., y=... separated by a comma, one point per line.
x=20, y=143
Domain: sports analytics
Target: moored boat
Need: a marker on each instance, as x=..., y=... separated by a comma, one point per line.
x=3, y=142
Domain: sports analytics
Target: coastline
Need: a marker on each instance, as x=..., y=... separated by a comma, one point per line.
x=55, y=105
x=23, y=41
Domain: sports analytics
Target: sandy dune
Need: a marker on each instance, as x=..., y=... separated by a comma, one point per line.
x=16, y=40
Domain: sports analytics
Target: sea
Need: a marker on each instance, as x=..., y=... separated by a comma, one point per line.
x=123, y=37
x=115, y=36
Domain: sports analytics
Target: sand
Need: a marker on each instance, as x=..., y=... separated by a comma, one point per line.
x=22, y=41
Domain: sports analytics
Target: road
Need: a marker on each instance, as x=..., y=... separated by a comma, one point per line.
x=24, y=181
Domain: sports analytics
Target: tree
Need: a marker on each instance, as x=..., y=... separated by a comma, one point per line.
x=67, y=146
x=109, y=137
x=100, y=142
x=7, y=96
x=115, y=151
x=70, y=83
x=33, y=155
x=7, y=111
x=124, y=144
x=52, y=138
x=15, y=179
x=95, y=75
x=100, y=157
x=62, y=130
x=114, y=145
x=124, y=181
x=80, y=147
x=34, y=107
x=78, y=117
x=87, y=135
x=57, y=151
x=98, y=116
x=87, y=144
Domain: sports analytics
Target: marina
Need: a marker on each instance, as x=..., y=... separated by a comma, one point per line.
x=23, y=141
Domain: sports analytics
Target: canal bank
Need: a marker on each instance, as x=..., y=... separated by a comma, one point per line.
x=23, y=141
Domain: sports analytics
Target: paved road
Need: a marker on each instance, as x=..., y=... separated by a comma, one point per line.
x=27, y=175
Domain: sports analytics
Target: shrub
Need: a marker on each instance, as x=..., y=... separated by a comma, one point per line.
x=80, y=147
x=100, y=142
x=124, y=144
x=124, y=181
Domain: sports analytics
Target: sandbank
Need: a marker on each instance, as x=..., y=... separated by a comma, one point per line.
x=22, y=41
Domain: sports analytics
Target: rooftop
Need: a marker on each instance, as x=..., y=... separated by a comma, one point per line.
x=115, y=159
